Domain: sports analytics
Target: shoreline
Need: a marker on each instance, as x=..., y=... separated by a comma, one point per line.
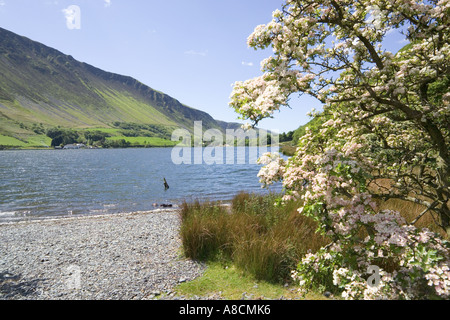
x=121, y=256
x=67, y=217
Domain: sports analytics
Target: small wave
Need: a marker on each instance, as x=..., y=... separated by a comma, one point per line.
x=7, y=214
x=98, y=211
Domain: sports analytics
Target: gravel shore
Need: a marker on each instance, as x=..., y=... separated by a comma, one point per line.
x=114, y=257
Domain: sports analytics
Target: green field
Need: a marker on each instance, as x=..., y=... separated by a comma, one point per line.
x=10, y=141
x=42, y=141
x=36, y=141
x=110, y=131
x=145, y=141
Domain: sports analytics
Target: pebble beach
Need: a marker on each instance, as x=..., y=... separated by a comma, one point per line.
x=132, y=256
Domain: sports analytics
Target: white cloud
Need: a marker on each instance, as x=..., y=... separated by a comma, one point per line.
x=107, y=3
x=247, y=64
x=197, y=53
x=73, y=17
x=2, y=3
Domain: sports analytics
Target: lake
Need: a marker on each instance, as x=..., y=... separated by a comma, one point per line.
x=37, y=184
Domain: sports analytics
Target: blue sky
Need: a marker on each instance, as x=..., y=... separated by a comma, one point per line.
x=192, y=50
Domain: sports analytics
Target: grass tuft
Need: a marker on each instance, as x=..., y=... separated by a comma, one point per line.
x=260, y=238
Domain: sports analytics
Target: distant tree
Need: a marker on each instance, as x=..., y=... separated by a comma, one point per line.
x=38, y=128
x=122, y=143
x=70, y=137
x=61, y=136
x=96, y=136
x=57, y=141
x=54, y=132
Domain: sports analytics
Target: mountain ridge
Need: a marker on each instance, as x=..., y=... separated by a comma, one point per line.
x=41, y=85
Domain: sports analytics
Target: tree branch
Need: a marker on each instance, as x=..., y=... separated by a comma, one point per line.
x=431, y=207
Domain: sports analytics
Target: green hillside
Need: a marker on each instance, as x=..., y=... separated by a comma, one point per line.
x=289, y=147
x=42, y=88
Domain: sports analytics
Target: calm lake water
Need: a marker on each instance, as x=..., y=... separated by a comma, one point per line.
x=48, y=183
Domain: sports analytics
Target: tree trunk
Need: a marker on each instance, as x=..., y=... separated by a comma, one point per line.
x=444, y=217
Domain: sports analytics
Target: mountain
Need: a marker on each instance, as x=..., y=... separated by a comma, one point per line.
x=41, y=87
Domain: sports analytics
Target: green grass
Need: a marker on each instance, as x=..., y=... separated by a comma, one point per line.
x=131, y=109
x=39, y=141
x=36, y=141
x=225, y=281
x=10, y=141
x=251, y=246
x=287, y=148
x=145, y=141
x=27, y=140
x=257, y=237
x=111, y=131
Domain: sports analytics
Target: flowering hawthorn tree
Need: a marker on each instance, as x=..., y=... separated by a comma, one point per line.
x=388, y=120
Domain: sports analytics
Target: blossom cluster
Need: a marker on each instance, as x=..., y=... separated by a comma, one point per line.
x=421, y=269
x=335, y=195
x=387, y=117
x=273, y=169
